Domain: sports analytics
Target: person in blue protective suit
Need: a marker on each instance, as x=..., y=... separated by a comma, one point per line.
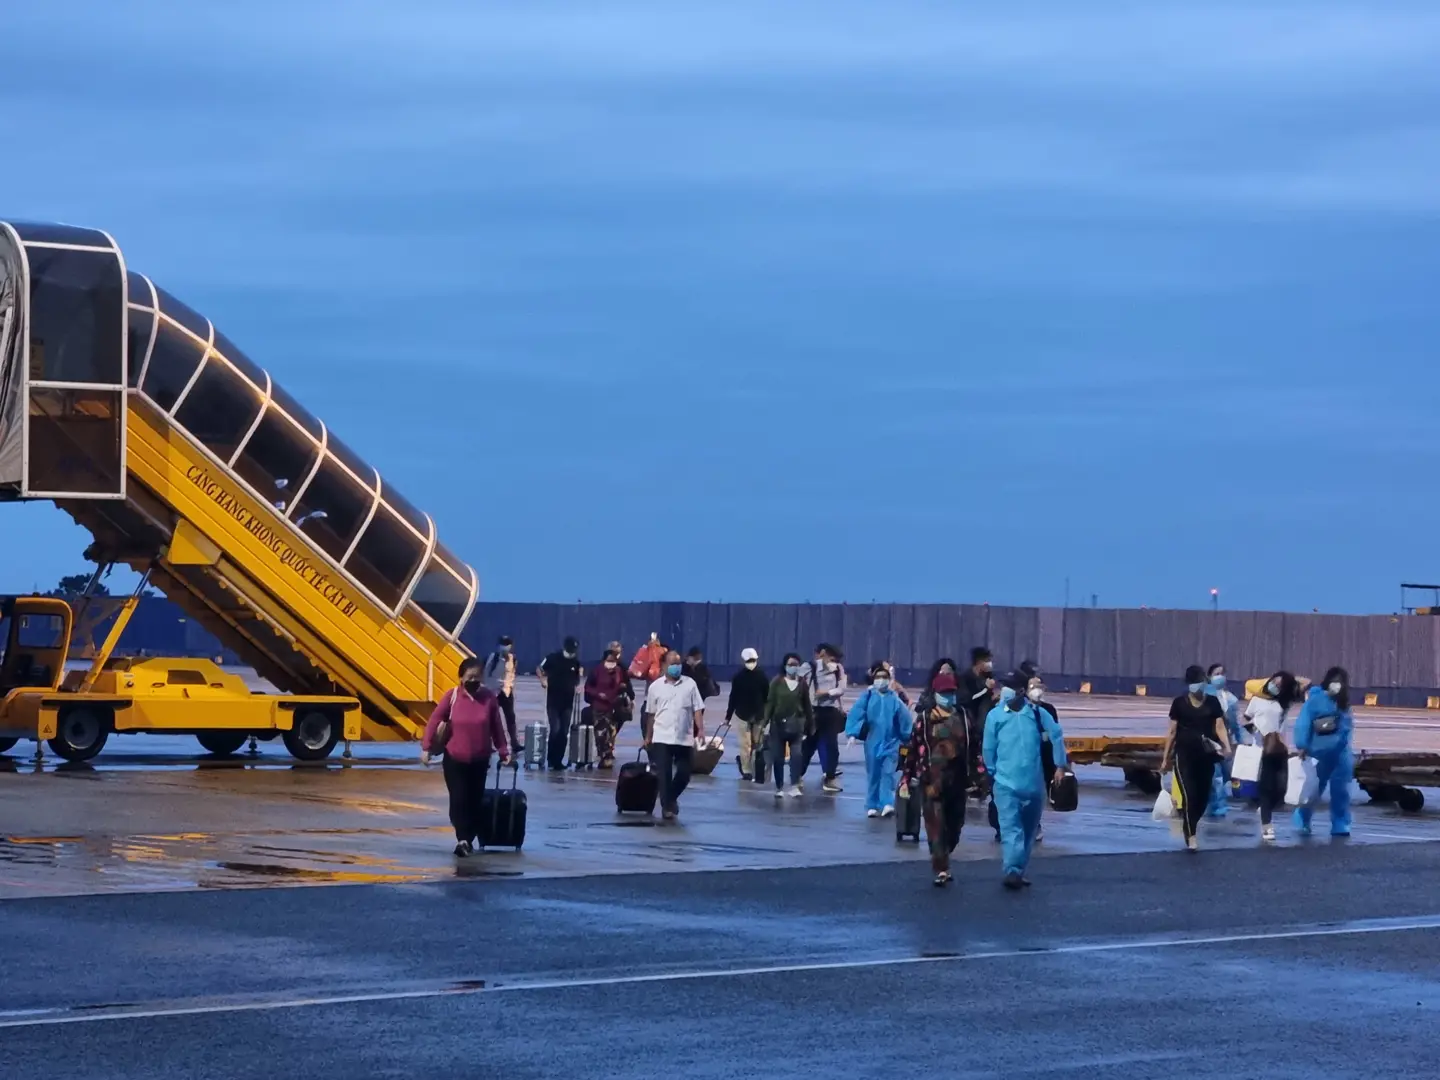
x=1324, y=731
x=1014, y=733
x=881, y=719
x=1220, y=785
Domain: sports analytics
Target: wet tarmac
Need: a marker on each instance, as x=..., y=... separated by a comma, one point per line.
x=142, y=933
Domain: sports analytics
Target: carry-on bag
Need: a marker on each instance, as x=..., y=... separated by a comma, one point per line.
x=503, y=812
x=1064, y=792
x=709, y=752
x=907, y=814
x=637, y=787
x=537, y=741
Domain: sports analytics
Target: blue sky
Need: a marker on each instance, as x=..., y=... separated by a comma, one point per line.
x=808, y=301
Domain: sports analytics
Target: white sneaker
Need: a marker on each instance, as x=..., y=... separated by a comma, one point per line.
x=888, y=811
x=795, y=792
x=1193, y=843
x=1267, y=833
x=779, y=793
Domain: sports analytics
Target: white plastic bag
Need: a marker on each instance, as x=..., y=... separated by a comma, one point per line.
x=1164, y=804
x=1246, y=765
x=1303, y=787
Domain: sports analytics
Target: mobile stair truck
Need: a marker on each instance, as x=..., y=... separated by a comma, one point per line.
x=186, y=462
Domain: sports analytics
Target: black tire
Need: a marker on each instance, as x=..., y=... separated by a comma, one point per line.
x=7, y=744
x=222, y=743
x=1410, y=800
x=82, y=734
x=314, y=735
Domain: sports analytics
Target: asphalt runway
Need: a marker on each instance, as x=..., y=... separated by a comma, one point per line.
x=1299, y=962
x=145, y=930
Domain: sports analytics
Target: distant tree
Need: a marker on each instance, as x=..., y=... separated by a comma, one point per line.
x=74, y=585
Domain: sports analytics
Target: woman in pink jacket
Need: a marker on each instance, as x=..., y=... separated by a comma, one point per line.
x=467, y=727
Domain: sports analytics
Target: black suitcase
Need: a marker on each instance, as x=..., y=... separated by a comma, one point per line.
x=1064, y=792
x=907, y=816
x=759, y=762
x=637, y=787
x=503, y=812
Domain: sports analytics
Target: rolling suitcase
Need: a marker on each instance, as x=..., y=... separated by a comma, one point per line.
x=759, y=762
x=502, y=813
x=637, y=788
x=582, y=746
x=537, y=739
x=709, y=753
x=907, y=816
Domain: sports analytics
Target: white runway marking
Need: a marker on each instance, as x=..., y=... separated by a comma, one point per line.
x=30, y=1018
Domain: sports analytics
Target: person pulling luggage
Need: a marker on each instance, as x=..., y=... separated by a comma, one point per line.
x=1015, y=733
x=604, y=688
x=937, y=766
x=674, y=722
x=560, y=676
x=881, y=720
x=467, y=727
x=749, y=687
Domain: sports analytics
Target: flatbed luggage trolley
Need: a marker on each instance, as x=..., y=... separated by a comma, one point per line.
x=1397, y=776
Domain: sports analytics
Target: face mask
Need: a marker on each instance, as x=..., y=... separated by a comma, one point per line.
x=1272, y=688
x=569, y=655
x=1006, y=694
x=882, y=685
x=1217, y=680
x=472, y=685
x=792, y=670
x=1197, y=688
x=751, y=664
x=674, y=671
x=1035, y=694
x=610, y=664
x=1335, y=689
x=504, y=650
x=947, y=700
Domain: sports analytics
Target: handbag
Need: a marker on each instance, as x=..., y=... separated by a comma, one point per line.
x=442, y=730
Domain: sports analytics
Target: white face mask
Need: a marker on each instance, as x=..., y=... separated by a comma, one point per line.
x=1334, y=689
x=1272, y=688
x=1035, y=694
x=751, y=663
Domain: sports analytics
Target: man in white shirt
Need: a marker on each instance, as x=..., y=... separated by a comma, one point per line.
x=827, y=697
x=674, y=720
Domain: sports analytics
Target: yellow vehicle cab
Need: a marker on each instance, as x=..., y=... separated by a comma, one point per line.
x=77, y=711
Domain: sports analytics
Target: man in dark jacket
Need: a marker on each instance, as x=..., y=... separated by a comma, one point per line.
x=560, y=674
x=749, y=688
x=696, y=669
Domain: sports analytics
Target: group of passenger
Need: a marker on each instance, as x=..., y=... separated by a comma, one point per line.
x=965, y=734
x=1207, y=725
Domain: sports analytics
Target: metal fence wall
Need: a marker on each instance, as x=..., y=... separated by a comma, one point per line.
x=1114, y=650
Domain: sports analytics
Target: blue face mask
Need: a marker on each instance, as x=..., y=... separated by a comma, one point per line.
x=947, y=700
x=674, y=671
x=1217, y=681
x=792, y=670
x=882, y=685
x=1197, y=688
x=1006, y=694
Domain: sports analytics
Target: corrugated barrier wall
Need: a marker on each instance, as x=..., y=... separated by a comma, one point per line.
x=1398, y=657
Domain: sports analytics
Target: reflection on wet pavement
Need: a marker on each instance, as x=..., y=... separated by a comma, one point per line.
x=151, y=816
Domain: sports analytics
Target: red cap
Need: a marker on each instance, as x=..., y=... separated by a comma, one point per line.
x=943, y=682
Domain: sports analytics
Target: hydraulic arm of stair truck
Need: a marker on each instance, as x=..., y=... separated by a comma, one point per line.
x=185, y=460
